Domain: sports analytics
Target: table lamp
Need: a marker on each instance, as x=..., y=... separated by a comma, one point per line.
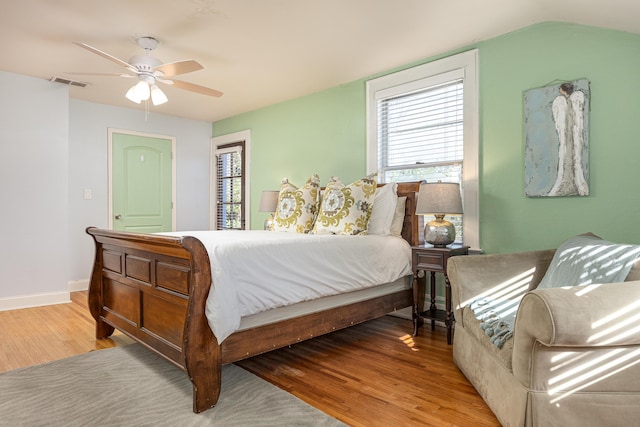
x=438, y=199
x=269, y=203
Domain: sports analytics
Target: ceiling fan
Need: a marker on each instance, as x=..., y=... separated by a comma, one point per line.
x=149, y=71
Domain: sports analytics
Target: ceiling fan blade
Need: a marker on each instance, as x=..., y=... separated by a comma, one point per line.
x=179, y=67
x=105, y=55
x=100, y=74
x=193, y=87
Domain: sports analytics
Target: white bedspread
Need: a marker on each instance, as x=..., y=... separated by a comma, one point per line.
x=254, y=271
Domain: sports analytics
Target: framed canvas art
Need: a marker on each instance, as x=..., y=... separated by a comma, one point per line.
x=556, y=121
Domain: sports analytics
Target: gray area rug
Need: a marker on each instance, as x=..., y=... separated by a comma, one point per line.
x=130, y=386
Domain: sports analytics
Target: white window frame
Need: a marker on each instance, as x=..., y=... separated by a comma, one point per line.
x=217, y=141
x=424, y=76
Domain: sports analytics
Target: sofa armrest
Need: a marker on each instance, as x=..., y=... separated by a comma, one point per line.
x=575, y=318
x=495, y=276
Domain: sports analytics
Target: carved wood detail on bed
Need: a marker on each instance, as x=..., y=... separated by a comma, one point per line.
x=154, y=289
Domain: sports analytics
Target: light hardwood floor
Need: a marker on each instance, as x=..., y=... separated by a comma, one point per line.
x=374, y=374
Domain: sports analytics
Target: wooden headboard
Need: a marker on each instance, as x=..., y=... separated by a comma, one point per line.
x=412, y=229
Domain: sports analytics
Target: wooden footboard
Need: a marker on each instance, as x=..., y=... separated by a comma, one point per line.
x=154, y=289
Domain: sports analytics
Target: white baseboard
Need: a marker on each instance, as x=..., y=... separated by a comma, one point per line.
x=79, y=285
x=38, y=300
x=407, y=312
x=404, y=313
x=34, y=300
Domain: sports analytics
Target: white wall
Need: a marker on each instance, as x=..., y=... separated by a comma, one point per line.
x=34, y=121
x=88, y=126
x=54, y=148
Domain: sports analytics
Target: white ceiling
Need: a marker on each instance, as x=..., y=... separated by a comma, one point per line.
x=260, y=52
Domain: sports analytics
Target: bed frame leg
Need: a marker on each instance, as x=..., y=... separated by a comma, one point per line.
x=205, y=373
x=103, y=330
x=206, y=390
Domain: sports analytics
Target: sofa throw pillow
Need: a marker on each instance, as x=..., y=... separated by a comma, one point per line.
x=345, y=209
x=587, y=259
x=384, y=207
x=297, y=207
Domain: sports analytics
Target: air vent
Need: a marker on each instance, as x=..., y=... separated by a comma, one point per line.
x=67, y=81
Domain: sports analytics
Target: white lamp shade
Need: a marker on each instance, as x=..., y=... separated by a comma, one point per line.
x=268, y=201
x=143, y=90
x=133, y=96
x=139, y=92
x=439, y=198
x=157, y=95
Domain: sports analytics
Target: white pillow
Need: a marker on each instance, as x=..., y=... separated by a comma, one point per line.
x=398, y=217
x=384, y=208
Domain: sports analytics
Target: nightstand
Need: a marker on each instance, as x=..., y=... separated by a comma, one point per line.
x=432, y=259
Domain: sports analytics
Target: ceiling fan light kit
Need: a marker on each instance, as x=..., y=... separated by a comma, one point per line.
x=139, y=92
x=157, y=95
x=144, y=89
x=150, y=70
x=132, y=96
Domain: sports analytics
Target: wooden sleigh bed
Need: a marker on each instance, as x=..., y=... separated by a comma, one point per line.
x=154, y=289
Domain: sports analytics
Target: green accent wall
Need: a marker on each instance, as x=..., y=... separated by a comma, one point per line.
x=324, y=133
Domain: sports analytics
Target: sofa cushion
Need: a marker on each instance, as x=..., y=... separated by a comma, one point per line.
x=472, y=325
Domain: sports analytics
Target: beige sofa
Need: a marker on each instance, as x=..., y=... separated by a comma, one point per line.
x=574, y=358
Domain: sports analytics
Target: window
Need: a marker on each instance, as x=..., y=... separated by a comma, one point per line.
x=422, y=125
x=229, y=210
x=230, y=181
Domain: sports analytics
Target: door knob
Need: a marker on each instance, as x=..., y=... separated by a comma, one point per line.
x=118, y=216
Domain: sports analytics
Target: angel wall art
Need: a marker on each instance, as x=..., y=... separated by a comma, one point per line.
x=557, y=140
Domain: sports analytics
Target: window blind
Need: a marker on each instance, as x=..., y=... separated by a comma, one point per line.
x=420, y=134
x=229, y=188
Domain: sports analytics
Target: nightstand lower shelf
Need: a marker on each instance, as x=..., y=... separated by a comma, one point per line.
x=432, y=315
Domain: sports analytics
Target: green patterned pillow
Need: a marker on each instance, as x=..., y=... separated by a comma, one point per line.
x=297, y=207
x=346, y=209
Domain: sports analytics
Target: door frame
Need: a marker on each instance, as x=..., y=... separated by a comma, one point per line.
x=110, y=132
x=244, y=135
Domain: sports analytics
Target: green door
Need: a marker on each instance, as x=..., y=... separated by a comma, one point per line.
x=141, y=176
